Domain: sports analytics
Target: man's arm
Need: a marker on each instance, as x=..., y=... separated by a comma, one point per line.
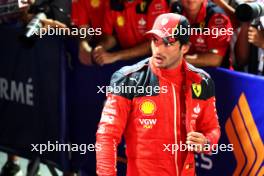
x=229, y=10
x=102, y=57
x=111, y=127
x=207, y=128
x=248, y=35
x=107, y=41
x=204, y=60
x=140, y=50
x=242, y=46
x=208, y=121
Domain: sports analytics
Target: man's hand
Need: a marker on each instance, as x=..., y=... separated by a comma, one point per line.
x=256, y=37
x=28, y=2
x=102, y=57
x=85, y=51
x=52, y=23
x=196, y=141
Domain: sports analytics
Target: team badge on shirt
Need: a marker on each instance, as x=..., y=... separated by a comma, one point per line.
x=148, y=107
x=202, y=24
x=143, y=6
x=142, y=22
x=197, y=89
x=95, y=3
x=200, y=40
x=120, y=21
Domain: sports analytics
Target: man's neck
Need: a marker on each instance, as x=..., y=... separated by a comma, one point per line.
x=192, y=14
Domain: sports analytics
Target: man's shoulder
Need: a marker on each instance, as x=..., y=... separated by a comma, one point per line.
x=216, y=15
x=205, y=89
x=214, y=8
x=200, y=72
x=130, y=71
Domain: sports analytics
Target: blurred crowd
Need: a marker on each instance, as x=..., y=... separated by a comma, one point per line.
x=121, y=25
x=124, y=23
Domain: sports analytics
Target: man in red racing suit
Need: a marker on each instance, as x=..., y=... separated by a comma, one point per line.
x=161, y=105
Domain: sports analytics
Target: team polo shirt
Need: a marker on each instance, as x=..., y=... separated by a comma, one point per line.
x=218, y=38
x=88, y=12
x=130, y=24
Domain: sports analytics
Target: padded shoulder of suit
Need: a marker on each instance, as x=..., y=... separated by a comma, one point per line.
x=122, y=75
x=127, y=70
x=135, y=77
x=199, y=71
x=207, y=84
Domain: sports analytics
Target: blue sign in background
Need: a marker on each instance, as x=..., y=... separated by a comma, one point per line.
x=32, y=96
x=229, y=86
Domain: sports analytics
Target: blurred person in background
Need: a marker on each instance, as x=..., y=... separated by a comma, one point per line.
x=229, y=7
x=88, y=14
x=213, y=49
x=250, y=45
x=125, y=24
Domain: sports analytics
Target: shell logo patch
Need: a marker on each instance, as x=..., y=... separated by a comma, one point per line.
x=95, y=3
x=120, y=21
x=197, y=89
x=148, y=107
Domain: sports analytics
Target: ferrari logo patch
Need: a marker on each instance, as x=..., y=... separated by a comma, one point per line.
x=197, y=89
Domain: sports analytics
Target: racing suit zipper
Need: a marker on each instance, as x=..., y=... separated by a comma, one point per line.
x=175, y=126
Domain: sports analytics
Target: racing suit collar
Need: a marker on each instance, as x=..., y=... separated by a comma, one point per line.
x=189, y=75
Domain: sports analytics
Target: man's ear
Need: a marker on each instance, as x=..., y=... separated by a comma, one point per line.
x=185, y=48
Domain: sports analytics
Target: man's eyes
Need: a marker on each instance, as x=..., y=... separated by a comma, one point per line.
x=155, y=40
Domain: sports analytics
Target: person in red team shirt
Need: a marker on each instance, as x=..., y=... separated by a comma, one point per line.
x=178, y=110
x=210, y=48
x=126, y=22
x=88, y=14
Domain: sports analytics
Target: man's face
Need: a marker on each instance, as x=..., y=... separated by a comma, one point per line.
x=192, y=5
x=167, y=55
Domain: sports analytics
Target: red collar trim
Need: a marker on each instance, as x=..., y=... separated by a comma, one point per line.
x=190, y=75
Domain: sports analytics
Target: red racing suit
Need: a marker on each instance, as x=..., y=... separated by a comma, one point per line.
x=148, y=120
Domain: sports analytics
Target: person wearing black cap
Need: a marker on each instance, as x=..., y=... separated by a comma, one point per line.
x=169, y=120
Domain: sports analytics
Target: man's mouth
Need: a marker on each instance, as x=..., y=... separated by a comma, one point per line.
x=158, y=59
